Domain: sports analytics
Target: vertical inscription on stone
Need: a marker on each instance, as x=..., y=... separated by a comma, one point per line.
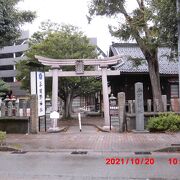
x=3, y=109
x=164, y=99
x=139, y=106
x=122, y=105
x=17, y=108
x=149, y=103
x=10, y=105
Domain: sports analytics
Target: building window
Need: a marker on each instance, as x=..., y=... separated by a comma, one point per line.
x=174, y=90
x=19, y=54
x=7, y=67
x=7, y=55
x=8, y=79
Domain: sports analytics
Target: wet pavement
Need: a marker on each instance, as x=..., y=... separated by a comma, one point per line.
x=49, y=155
x=93, y=140
x=92, y=166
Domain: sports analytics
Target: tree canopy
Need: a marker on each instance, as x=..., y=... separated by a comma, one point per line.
x=11, y=20
x=154, y=21
x=165, y=20
x=60, y=42
x=151, y=24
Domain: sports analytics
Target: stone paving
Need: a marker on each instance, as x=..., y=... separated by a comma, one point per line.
x=92, y=139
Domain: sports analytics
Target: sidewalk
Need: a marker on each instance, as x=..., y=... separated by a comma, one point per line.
x=92, y=139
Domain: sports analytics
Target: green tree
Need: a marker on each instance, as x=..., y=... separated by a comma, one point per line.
x=11, y=20
x=4, y=88
x=60, y=42
x=145, y=25
x=165, y=19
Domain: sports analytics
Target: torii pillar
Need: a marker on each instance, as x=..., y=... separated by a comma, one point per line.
x=105, y=96
x=55, y=71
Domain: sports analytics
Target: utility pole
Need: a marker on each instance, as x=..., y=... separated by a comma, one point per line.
x=178, y=24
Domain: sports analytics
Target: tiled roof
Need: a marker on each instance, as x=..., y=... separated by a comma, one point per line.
x=16, y=90
x=133, y=51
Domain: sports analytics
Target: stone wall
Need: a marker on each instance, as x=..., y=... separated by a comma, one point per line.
x=14, y=125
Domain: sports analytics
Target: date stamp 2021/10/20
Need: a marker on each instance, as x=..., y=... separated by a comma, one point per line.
x=138, y=161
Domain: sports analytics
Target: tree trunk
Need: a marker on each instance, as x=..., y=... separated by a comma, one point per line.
x=155, y=81
x=68, y=107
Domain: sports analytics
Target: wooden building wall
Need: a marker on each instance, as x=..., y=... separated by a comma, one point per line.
x=126, y=83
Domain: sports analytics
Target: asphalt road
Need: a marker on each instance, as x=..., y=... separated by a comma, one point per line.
x=93, y=165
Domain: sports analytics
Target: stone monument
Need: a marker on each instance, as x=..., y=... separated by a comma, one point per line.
x=122, y=105
x=139, y=107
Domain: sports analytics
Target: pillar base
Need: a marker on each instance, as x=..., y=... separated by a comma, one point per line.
x=107, y=128
x=140, y=131
x=53, y=130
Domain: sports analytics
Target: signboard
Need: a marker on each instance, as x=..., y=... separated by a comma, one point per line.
x=38, y=88
x=113, y=110
x=79, y=67
x=33, y=83
x=114, y=116
x=40, y=77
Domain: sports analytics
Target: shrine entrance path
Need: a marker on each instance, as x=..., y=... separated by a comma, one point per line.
x=85, y=129
x=89, y=122
x=98, y=121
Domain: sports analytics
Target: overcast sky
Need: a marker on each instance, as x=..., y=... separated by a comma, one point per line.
x=70, y=12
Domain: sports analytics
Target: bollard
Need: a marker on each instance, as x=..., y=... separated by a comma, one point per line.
x=79, y=117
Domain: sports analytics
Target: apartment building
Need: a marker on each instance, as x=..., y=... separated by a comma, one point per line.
x=9, y=56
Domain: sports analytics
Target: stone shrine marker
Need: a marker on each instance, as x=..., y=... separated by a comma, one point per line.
x=122, y=105
x=139, y=106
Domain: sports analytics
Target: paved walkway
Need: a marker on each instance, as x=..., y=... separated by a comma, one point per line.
x=93, y=140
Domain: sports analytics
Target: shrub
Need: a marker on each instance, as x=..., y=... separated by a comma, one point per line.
x=164, y=122
x=2, y=137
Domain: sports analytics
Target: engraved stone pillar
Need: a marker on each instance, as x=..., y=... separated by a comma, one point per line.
x=130, y=106
x=17, y=108
x=10, y=106
x=139, y=106
x=34, y=123
x=122, y=106
x=24, y=104
x=164, y=100
x=149, y=104
x=133, y=106
x=3, y=109
x=156, y=105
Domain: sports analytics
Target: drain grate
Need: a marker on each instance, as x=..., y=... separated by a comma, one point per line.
x=173, y=148
x=142, y=153
x=175, y=144
x=79, y=152
x=19, y=152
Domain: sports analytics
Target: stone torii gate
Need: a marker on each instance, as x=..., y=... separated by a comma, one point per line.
x=79, y=64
